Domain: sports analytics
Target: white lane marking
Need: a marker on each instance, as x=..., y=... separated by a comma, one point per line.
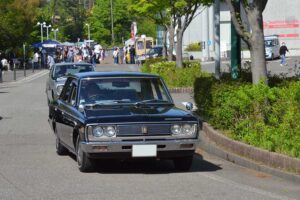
x=244, y=187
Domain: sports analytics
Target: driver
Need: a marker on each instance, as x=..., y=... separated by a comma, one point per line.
x=92, y=92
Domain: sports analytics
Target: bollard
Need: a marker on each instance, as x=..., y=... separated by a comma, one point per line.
x=1, y=76
x=32, y=67
x=24, y=68
x=15, y=75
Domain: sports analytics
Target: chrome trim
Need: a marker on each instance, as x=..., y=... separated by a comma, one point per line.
x=166, y=122
x=169, y=145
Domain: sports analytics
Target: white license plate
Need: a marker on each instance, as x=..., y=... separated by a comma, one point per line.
x=144, y=150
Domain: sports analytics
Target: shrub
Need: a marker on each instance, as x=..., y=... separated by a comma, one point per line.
x=263, y=116
x=193, y=47
x=173, y=76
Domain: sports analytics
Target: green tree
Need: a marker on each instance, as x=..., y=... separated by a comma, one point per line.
x=17, y=20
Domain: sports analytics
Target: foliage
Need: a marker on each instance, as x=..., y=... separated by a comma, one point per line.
x=16, y=21
x=193, y=47
x=259, y=115
x=175, y=77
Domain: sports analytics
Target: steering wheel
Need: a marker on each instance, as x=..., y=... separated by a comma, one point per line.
x=95, y=97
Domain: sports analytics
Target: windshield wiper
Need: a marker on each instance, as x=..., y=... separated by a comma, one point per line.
x=152, y=101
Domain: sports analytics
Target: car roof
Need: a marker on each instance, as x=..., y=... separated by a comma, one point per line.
x=72, y=63
x=112, y=74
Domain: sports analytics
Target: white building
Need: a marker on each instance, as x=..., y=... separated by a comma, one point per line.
x=280, y=18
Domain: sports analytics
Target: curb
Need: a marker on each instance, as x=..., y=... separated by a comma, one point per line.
x=181, y=90
x=248, y=156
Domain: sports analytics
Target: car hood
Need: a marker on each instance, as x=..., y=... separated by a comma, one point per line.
x=123, y=114
x=61, y=80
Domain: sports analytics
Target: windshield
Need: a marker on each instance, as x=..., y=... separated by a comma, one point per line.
x=123, y=91
x=64, y=70
x=269, y=43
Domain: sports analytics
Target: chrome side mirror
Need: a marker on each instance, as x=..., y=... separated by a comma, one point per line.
x=81, y=108
x=188, y=105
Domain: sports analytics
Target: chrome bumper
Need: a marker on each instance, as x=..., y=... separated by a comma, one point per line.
x=123, y=147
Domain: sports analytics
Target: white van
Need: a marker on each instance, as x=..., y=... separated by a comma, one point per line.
x=272, y=46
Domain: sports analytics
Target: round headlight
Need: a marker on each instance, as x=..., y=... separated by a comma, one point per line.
x=110, y=131
x=98, y=131
x=187, y=129
x=176, y=129
x=59, y=89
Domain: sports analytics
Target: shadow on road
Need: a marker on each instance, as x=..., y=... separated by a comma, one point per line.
x=148, y=166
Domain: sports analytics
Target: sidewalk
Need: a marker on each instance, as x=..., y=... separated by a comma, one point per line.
x=8, y=76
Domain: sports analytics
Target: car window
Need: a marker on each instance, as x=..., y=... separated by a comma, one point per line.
x=72, y=99
x=122, y=90
x=66, y=92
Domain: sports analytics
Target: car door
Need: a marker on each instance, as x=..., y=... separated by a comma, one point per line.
x=61, y=111
x=70, y=116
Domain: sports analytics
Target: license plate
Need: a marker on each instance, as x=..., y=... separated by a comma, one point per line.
x=144, y=151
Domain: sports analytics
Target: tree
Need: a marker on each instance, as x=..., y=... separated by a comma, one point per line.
x=184, y=12
x=157, y=11
x=17, y=20
x=254, y=37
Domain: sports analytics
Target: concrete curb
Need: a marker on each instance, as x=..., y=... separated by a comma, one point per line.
x=248, y=156
x=181, y=90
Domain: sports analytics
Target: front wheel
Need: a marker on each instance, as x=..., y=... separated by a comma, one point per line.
x=84, y=163
x=183, y=163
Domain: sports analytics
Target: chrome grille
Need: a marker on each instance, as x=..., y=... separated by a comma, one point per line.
x=136, y=130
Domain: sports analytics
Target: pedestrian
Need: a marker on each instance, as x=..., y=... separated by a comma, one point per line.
x=116, y=56
x=132, y=54
x=50, y=61
x=35, y=59
x=282, y=51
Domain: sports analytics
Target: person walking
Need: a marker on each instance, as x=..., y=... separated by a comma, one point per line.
x=116, y=56
x=132, y=54
x=282, y=51
x=50, y=61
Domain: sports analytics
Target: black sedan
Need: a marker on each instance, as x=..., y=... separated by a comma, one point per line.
x=121, y=115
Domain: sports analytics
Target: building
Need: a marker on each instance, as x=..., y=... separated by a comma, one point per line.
x=280, y=18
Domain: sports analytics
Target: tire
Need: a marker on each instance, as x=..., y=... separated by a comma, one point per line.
x=183, y=163
x=60, y=149
x=272, y=57
x=84, y=163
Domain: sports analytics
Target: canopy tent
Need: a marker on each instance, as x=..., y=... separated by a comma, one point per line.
x=47, y=43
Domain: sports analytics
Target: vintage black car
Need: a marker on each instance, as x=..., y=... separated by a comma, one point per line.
x=121, y=115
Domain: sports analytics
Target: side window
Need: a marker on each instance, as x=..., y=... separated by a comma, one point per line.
x=66, y=90
x=72, y=99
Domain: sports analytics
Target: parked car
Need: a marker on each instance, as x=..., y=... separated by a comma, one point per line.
x=122, y=115
x=272, y=47
x=154, y=52
x=57, y=77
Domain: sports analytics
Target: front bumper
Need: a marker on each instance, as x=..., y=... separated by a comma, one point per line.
x=165, y=148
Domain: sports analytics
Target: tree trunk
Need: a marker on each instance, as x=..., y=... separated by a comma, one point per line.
x=179, y=34
x=171, y=42
x=257, y=48
x=164, y=51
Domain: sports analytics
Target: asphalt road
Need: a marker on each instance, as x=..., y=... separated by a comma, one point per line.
x=31, y=169
x=273, y=66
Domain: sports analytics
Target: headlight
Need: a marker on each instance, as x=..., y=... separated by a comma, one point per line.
x=176, y=129
x=183, y=129
x=98, y=131
x=188, y=129
x=110, y=131
x=59, y=88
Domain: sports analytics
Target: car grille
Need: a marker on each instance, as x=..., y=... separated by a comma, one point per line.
x=143, y=130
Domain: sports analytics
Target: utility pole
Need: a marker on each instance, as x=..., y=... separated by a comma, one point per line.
x=217, y=39
x=205, y=48
x=235, y=46
x=112, y=23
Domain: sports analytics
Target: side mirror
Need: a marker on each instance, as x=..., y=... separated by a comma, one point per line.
x=188, y=105
x=81, y=108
